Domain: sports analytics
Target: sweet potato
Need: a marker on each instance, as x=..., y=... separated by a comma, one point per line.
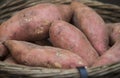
x=110, y=57
x=33, y=23
x=33, y=55
x=10, y=59
x=3, y=51
x=66, y=36
x=66, y=12
x=114, y=31
x=87, y=20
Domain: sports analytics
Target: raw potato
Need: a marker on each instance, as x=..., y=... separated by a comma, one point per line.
x=114, y=31
x=46, y=56
x=3, y=51
x=87, y=20
x=66, y=12
x=110, y=57
x=33, y=23
x=10, y=59
x=66, y=36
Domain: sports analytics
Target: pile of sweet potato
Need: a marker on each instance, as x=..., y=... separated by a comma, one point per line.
x=59, y=36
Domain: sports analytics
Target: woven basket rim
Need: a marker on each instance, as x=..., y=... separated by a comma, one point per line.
x=6, y=12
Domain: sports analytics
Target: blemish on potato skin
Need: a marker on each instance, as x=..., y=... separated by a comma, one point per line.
x=58, y=53
x=58, y=65
x=39, y=30
x=42, y=29
x=26, y=17
x=80, y=63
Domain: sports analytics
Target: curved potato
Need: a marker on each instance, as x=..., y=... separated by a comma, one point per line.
x=46, y=56
x=110, y=57
x=88, y=21
x=66, y=36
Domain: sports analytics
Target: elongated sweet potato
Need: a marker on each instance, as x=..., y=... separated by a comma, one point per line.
x=10, y=59
x=110, y=57
x=114, y=31
x=34, y=55
x=66, y=36
x=87, y=20
x=3, y=51
x=33, y=23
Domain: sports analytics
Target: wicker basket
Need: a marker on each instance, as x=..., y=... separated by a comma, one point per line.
x=110, y=13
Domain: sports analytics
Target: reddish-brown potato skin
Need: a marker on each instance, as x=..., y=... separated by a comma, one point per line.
x=110, y=57
x=10, y=59
x=32, y=23
x=87, y=20
x=3, y=51
x=114, y=32
x=67, y=36
x=46, y=56
x=66, y=12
